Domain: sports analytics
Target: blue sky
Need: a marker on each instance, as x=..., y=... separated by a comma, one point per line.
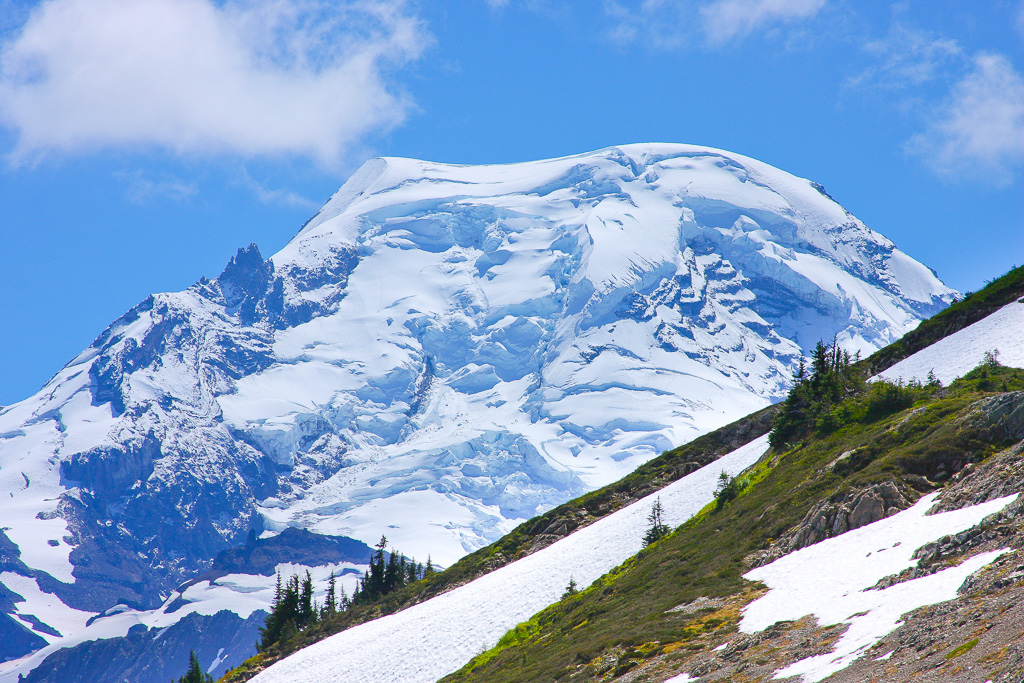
x=143, y=141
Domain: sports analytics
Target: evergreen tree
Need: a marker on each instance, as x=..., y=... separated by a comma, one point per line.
x=393, y=572
x=330, y=599
x=656, y=527
x=727, y=489
x=195, y=673
x=571, y=589
x=306, y=612
x=809, y=404
x=411, y=572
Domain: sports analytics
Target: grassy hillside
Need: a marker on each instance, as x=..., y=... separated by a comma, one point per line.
x=682, y=596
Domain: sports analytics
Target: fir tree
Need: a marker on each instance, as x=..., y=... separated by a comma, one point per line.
x=809, y=404
x=195, y=673
x=571, y=589
x=411, y=571
x=330, y=599
x=727, y=489
x=306, y=612
x=656, y=527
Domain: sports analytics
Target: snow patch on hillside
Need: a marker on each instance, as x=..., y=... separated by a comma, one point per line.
x=832, y=580
x=959, y=353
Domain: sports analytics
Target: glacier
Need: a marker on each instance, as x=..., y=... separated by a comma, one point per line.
x=440, y=353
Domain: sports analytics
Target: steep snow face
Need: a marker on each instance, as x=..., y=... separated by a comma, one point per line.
x=441, y=353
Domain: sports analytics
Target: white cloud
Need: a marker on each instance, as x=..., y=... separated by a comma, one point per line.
x=269, y=77
x=728, y=19
x=979, y=131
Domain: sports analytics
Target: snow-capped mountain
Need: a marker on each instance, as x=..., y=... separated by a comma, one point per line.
x=442, y=352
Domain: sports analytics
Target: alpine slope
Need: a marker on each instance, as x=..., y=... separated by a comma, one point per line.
x=442, y=352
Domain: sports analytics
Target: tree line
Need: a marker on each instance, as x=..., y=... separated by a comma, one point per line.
x=294, y=608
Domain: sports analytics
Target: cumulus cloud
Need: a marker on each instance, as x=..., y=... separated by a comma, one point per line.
x=979, y=131
x=728, y=19
x=674, y=23
x=265, y=77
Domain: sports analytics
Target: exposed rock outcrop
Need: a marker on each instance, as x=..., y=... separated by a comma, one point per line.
x=840, y=514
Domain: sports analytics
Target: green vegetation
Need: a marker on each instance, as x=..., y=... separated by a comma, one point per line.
x=656, y=527
x=387, y=576
x=294, y=609
x=963, y=649
x=728, y=489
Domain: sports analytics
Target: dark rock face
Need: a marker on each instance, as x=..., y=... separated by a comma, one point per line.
x=156, y=655
x=300, y=546
x=17, y=640
x=107, y=472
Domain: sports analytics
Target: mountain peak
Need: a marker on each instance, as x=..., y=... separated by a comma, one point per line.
x=445, y=351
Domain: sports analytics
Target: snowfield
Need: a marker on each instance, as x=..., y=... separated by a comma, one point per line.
x=430, y=640
x=832, y=580
x=959, y=353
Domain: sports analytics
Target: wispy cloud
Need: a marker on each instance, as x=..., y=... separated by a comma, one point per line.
x=658, y=24
x=268, y=195
x=907, y=57
x=140, y=188
x=725, y=20
x=979, y=130
x=269, y=77
x=668, y=24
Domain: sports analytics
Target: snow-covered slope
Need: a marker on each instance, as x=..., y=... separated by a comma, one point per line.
x=442, y=352
x=1001, y=334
